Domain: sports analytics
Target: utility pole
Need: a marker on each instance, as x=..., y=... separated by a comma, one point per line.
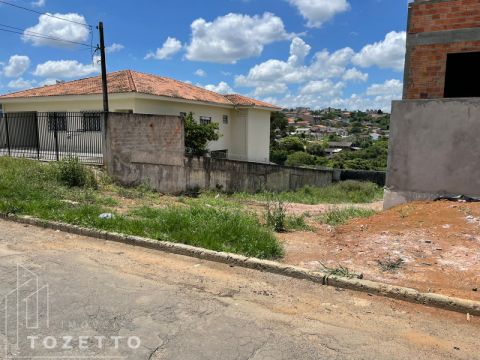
x=104, y=68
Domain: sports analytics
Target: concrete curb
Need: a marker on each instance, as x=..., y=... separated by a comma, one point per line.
x=371, y=287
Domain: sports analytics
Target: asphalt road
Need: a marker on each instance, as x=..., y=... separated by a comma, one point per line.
x=102, y=300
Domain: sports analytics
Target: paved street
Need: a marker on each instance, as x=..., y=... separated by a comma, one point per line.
x=107, y=300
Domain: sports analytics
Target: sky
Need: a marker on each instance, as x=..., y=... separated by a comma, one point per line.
x=315, y=53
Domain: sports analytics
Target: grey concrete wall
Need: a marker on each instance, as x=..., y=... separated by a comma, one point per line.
x=434, y=150
x=150, y=149
x=146, y=148
x=240, y=176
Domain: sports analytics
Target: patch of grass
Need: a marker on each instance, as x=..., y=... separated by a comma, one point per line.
x=350, y=191
x=73, y=173
x=294, y=222
x=391, y=265
x=336, y=217
x=341, y=271
x=32, y=188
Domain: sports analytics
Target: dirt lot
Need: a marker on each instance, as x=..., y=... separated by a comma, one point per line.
x=439, y=243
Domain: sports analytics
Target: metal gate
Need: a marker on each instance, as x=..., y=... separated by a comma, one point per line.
x=52, y=136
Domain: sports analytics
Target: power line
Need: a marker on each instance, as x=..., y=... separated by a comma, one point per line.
x=46, y=14
x=14, y=30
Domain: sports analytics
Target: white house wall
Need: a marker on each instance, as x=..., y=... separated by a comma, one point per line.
x=258, y=135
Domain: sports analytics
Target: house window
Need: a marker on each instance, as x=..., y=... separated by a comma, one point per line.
x=462, y=77
x=92, y=121
x=225, y=119
x=205, y=120
x=57, y=121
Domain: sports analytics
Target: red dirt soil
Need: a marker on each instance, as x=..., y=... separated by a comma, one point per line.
x=439, y=242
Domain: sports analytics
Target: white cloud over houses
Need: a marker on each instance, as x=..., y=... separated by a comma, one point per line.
x=200, y=73
x=114, y=48
x=317, y=12
x=66, y=69
x=170, y=47
x=388, y=53
x=21, y=84
x=233, y=37
x=71, y=30
x=16, y=66
x=221, y=88
x=354, y=75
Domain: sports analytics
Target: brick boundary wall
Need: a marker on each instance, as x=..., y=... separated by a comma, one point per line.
x=436, y=28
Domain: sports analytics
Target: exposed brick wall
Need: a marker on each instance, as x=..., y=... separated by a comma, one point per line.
x=426, y=64
x=427, y=67
x=430, y=16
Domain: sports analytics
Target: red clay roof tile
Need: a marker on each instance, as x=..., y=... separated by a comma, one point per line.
x=128, y=81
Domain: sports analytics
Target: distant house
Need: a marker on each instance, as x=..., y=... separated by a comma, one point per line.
x=344, y=145
x=244, y=123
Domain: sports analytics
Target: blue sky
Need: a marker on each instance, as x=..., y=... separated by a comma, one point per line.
x=317, y=53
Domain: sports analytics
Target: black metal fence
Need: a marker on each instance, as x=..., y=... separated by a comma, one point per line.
x=52, y=136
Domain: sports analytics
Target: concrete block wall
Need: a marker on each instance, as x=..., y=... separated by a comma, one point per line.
x=434, y=150
x=146, y=148
x=436, y=28
x=241, y=176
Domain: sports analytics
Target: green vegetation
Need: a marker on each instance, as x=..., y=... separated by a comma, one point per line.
x=304, y=150
x=36, y=189
x=337, y=217
x=197, y=135
x=355, y=192
x=73, y=174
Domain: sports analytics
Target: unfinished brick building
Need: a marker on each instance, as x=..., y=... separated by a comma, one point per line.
x=443, y=49
x=435, y=130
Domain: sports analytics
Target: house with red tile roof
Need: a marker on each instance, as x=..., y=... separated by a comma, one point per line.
x=244, y=123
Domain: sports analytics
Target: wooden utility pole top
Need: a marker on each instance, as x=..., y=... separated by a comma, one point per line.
x=104, y=68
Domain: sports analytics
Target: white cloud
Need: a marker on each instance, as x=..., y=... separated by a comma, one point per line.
x=270, y=89
x=21, y=84
x=298, y=52
x=58, y=28
x=325, y=88
x=317, y=12
x=201, y=73
x=114, y=48
x=388, y=53
x=17, y=65
x=390, y=88
x=47, y=82
x=354, y=75
x=233, y=37
x=324, y=65
x=170, y=47
x=66, y=69
x=38, y=3
x=221, y=88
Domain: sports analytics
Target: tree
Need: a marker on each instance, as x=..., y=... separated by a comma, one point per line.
x=292, y=143
x=278, y=125
x=300, y=158
x=197, y=136
x=278, y=156
x=316, y=148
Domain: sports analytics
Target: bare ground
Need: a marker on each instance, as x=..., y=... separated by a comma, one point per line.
x=438, y=241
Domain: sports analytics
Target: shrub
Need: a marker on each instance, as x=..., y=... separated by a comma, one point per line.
x=316, y=148
x=291, y=144
x=300, y=158
x=276, y=216
x=278, y=156
x=73, y=173
x=197, y=136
